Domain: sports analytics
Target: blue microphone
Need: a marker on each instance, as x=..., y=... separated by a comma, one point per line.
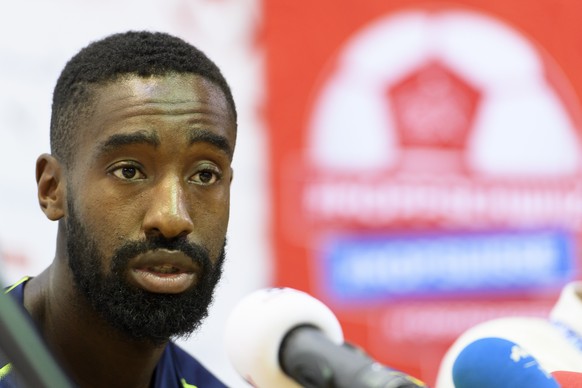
x=499, y=363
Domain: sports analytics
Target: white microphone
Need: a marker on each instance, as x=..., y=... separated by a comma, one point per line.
x=284, y=338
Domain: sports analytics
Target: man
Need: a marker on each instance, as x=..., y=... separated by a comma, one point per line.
x=143, y=131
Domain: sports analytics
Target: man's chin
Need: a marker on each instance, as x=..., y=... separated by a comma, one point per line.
x=155, y=317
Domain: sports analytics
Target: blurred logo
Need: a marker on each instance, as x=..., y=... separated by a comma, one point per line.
x=431, y=126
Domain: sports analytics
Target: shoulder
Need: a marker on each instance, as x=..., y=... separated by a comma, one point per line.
x=538, y=336
x=177, y=365
x=17, y=289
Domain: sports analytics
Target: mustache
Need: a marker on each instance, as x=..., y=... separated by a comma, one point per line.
x=131, y=249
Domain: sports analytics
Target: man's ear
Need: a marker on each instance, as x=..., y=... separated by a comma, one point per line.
x=51, y=187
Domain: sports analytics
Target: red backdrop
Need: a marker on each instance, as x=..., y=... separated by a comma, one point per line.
x=303, y=39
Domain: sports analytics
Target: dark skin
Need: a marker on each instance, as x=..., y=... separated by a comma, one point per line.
x=168, y=174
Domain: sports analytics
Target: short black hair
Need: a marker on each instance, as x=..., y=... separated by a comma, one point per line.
x=140, y=53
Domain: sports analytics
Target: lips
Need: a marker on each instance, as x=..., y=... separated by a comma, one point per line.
x=164, y=272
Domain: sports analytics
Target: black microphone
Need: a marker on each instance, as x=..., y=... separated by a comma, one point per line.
x=310, y=358
x=31, y=362
x=281, y=337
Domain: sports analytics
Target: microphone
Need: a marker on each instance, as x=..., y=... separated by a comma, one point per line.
x=31, y=362
x=568, y=379
x=498, y=363
x=284, y=338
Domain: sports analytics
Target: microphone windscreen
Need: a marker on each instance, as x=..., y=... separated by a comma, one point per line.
x=498, y=363
x=568, y=379
x=258, y=324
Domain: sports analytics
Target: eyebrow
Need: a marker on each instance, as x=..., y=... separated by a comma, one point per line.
x=122, y=139
x=142, y=137
x=205, y=136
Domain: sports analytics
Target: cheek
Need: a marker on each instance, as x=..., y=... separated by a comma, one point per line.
x=223, y=212
x=110, y=219
x=212, y=224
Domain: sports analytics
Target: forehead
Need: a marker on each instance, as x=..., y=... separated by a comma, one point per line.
x=147, y=98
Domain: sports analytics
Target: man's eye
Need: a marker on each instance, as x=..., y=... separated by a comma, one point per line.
x=206, y=177
x=128, y=173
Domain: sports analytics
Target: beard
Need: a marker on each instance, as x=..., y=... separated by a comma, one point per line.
x=139, y=314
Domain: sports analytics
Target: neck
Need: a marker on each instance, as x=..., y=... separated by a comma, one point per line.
x=88, y=348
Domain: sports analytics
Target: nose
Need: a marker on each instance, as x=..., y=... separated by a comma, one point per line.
x=168, y=211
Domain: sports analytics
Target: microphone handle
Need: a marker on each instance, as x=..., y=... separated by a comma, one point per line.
x=24, y=347
x=341, y=367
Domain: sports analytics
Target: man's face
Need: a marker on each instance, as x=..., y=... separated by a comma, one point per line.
x=148, y=202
